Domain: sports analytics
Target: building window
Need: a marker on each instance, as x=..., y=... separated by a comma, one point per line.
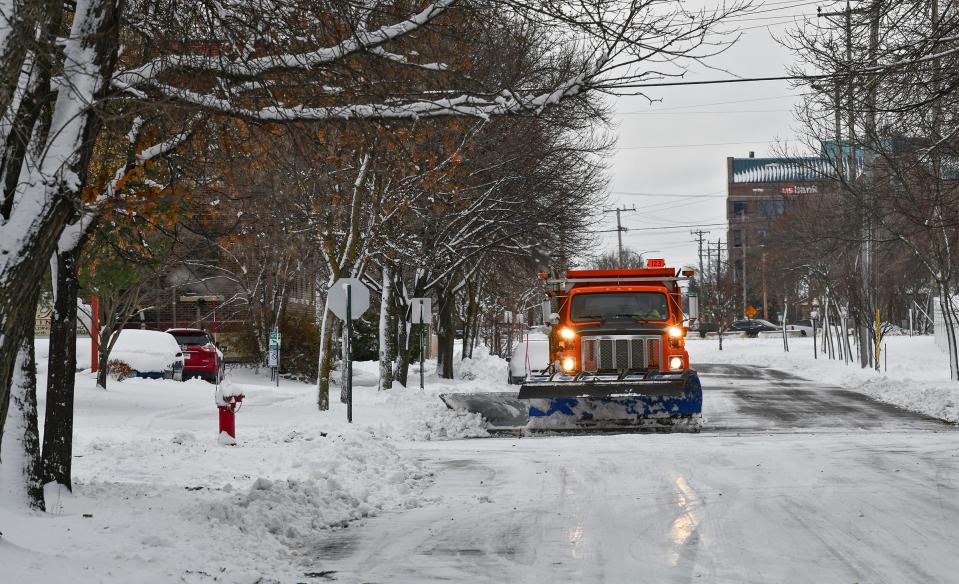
x=772, y=208
x=762, y=233
x=739, y=208
x=738, y=238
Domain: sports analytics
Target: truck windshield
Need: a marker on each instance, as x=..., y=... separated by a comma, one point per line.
x=609, y=305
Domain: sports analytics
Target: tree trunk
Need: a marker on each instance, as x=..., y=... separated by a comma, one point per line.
x=401, y=373
x=103, y=361
x=471, y=328
x=445, y=333
x=35, y=226
x=20, y=483
x=864, y=344
x=387, y=328
x=325, y=363
x=61, y=374
x=949, y=320
x=403, y=355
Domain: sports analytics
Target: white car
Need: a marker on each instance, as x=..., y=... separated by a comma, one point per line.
x=527, y=358
x=150, y=354
x=803, y=326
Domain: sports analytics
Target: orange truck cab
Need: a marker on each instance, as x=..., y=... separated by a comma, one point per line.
x=607, y=321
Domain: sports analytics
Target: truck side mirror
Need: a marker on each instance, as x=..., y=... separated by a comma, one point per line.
x=547, y=311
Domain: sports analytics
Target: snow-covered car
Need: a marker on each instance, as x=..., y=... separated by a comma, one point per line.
x=150, y=354
x=527, y=357
x=803, y=326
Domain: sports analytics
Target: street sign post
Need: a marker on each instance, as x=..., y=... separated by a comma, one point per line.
x=274, y=355
x=421, y=313
x=348, y=299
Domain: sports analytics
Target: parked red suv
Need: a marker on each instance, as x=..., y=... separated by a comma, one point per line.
x=201, y=355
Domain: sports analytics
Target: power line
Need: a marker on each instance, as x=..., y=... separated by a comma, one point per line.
x=656, y=113
x=676, y=195
x=705, y=144
x=749, y=100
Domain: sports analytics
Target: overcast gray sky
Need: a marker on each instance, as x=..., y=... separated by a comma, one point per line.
x=664, y=163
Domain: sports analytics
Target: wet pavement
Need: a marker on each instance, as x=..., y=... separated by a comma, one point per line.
x=739, y=398
x=790, y=481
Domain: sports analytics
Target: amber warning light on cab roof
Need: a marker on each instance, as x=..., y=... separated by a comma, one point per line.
x=655, y=263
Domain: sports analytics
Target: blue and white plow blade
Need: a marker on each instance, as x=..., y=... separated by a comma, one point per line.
x=658, y=402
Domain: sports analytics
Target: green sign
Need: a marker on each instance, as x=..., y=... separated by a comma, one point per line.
x=275, y=339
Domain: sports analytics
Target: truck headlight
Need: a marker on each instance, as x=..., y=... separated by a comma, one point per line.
x=675, y=363
x=568, y=364
x=567, y=334
x=675, y=331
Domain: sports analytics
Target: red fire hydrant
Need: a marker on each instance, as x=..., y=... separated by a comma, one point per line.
x=228, y=402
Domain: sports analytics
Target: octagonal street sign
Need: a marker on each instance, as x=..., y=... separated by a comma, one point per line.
x=359, y=301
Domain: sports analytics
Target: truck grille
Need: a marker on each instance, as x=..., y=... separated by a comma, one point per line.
x=619, y=352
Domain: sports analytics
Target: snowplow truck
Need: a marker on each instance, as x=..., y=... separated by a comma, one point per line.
x=618, y=359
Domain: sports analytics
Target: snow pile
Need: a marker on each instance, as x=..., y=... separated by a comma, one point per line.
x=935, y=400
x=145, y=351
x=917, y=376
x=345, y=477
x=482, y=367
x=422, y=415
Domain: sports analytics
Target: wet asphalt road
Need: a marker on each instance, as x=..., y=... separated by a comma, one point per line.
x=789, y=481
x=738, y=398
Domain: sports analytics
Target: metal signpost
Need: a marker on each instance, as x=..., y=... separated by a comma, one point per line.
x=274, y=355
x=348, y=299
x=421, y=313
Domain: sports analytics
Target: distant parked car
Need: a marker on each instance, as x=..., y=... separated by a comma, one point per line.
x=149, y=354
x=536, y=352
x=203, y=358
x=753, y=327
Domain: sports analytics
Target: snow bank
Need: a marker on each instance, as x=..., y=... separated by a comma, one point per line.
x=345, y=477
x=483, y=368
x=917, y=376
x=422, y=415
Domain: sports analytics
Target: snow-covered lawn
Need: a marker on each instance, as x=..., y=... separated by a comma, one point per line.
x=917, y=378
x=157, y=500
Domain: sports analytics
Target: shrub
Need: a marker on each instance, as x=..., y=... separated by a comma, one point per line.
x=119, y=370
x=301, y=346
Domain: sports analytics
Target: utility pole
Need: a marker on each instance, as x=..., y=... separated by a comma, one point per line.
x=719, y=269
x=702, y=288
x=765, y=289
x=709, y=266
x=745, y=300
x=619, y=226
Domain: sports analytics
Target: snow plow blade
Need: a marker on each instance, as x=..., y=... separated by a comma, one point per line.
x=658, y=402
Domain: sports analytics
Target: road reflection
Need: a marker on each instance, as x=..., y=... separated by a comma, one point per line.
x=686, y=523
